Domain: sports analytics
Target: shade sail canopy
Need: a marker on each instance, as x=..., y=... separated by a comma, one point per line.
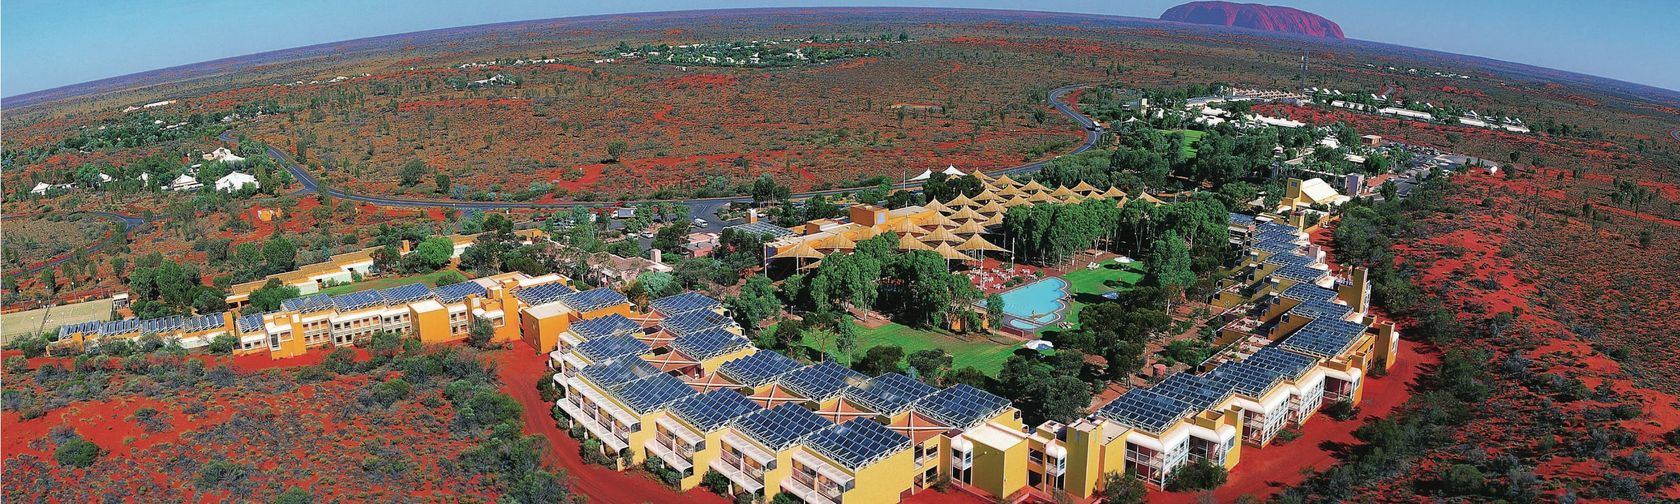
x=950, y=253
x=976, y=243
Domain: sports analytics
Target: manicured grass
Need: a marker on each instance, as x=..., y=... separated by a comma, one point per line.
x=980, y=353
x=1188, y=148
x=1095, y=282
x=430, y=279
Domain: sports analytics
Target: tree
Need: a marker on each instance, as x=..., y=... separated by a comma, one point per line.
x=76, y=452
x=268, y=297
x=49, y=280
x=294, y=495
x=479, y=333
x=1122, y=489
x=450, y=278
x=766, y=190
x=931, y=364
x=411, y=172
x=1168, y=266
x=994, y=310
x=756, y=302
x=442, y=182
x=279, y=255
x=223, y=343
x=1199, y=475
x=615, y=149
x=881, y=359
x=434, y=252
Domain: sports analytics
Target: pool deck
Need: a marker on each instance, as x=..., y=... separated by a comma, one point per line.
x=1037, y=321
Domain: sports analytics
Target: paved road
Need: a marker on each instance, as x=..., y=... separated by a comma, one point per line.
x=705, y=208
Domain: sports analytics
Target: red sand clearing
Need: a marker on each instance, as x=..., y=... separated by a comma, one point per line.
x=519, y=369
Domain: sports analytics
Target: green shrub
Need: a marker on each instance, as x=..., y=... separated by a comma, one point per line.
x=1341, y=410
x=76, y=452
x=1198, y=475
x=223, y=344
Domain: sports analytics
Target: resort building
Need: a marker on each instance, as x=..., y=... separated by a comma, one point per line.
x=345, y=268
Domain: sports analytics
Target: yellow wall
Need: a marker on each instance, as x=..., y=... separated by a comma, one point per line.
x=431, y=326
x=884, y=481
x=773, y=477
x=1084, y=462
x=1000, y=472
x=702, y=458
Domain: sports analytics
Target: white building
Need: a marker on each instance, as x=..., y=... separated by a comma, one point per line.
x=41, y=188
x=224, y=155
x=185, y=183
x=235, y=181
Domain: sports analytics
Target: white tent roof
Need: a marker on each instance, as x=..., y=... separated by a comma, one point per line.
x=924, y=176
x=953, y=171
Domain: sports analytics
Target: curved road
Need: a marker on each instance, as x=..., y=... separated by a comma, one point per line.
x=706, y=207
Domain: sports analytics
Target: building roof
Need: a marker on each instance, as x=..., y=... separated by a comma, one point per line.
x=404, y=294
x=763, y=228
x=1199, y=392
x=758, y=369
x=857, y=443
x=1145, y=410
x=709, y=343
x=308, y=304
x=822, y=381
x=1289, y=364
x=962, y=406
x=652, y=393
x=713, y=410
x=1325, y=337
x=600, y=349
x=694, y=321
x=455, y=292
x=782, y=426
x=1247, y=379
x=604, y=326
x=543, y=293
x=593, y=299
x=890, y=393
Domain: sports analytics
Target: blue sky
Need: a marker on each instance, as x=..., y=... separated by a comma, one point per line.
x=51, y=43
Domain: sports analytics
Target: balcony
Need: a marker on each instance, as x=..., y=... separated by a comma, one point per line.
x=746, y=477
x=805, y=488
x=613, y=442
x=679, y=461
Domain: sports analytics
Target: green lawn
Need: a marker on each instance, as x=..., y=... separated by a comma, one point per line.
x=1095, y=282
x=430, y=279
x=980, y=353
x=1188, y=148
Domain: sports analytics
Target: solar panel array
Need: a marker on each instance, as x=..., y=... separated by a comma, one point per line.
x=120, y=326
x=1289, y=260
x=308, y=304
x=693, y=322
x=1324, y=337
x=87, y=328
x=1277, y=247
x=709, y=343
x=762, y=228
x=1241, y=219
x=1290, y=364
x=683, y=303
x=1308, y=292
x=962, y=406
x=161, y=325
x=601, y=349
x=1321, y=309
x=601, y=327
x=782, y=426
x=1200, y=393
x=1301, y=273
x=1145, y=410
x=890, y=393
x=821, y=382
x=858, y=442
x=357, y=300
x=248, y=323
x=593, y=299
x=653, y=392
x=758, y=369
x=1247, y=379
x=618, y=371
x=543, y=293
x=457, y=291
x=713, y=410
x=405, y=293
x=205, y=322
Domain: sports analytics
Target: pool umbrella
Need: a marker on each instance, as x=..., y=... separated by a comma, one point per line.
x=907, y=242
x=1010, y=191
x=1114, y=193
x=972, y=227
x=992, y=207
x=986, y=195
x=982, y=176
x=1084, y=188
x=942, y=235
x=1017, y=201
x=1034, y=186
x=995, y=220
x=951, y=254
x=1040, y=197
x=960, y=200
x=1063, y=193
x=977, y=244
x=1005, y=181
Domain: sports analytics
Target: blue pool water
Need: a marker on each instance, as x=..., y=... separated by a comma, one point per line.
x=1035, y=305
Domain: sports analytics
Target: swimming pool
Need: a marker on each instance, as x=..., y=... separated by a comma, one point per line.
x=1032, y=306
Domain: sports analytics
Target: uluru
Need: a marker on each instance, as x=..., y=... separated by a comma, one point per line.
x=1270, y=18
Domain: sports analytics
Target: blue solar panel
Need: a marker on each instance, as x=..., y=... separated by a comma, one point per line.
x=821, y=382
x=763, y=228
x=1301, y=273
x=1200, y=393
x=889, y=394
x=1246, y=379
x=120, y=326
x=1308, y=292
x=248, y=323
x=1290, y=364
x=309, y=304
x=709, y=343
x=683, y=303
x=357, y=300
x=1145, y=410
x=713, y=410
x=1240, y=219
x=1321, y=309
x=204, y=322
x=648, y=394
x=962, y=406
x=1277, y=247
x=1324, y=337
x=781, y=427
x=543, y=294
x=403, y=294
x=455, y=292
x=1287, y=260
x=593, y=299
x=857, y=443
x=85, y=328
x=693, y=322
x=601, y=327
x=617, y=372
x=600, y=349
x=758, y=369
x=161, y=325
